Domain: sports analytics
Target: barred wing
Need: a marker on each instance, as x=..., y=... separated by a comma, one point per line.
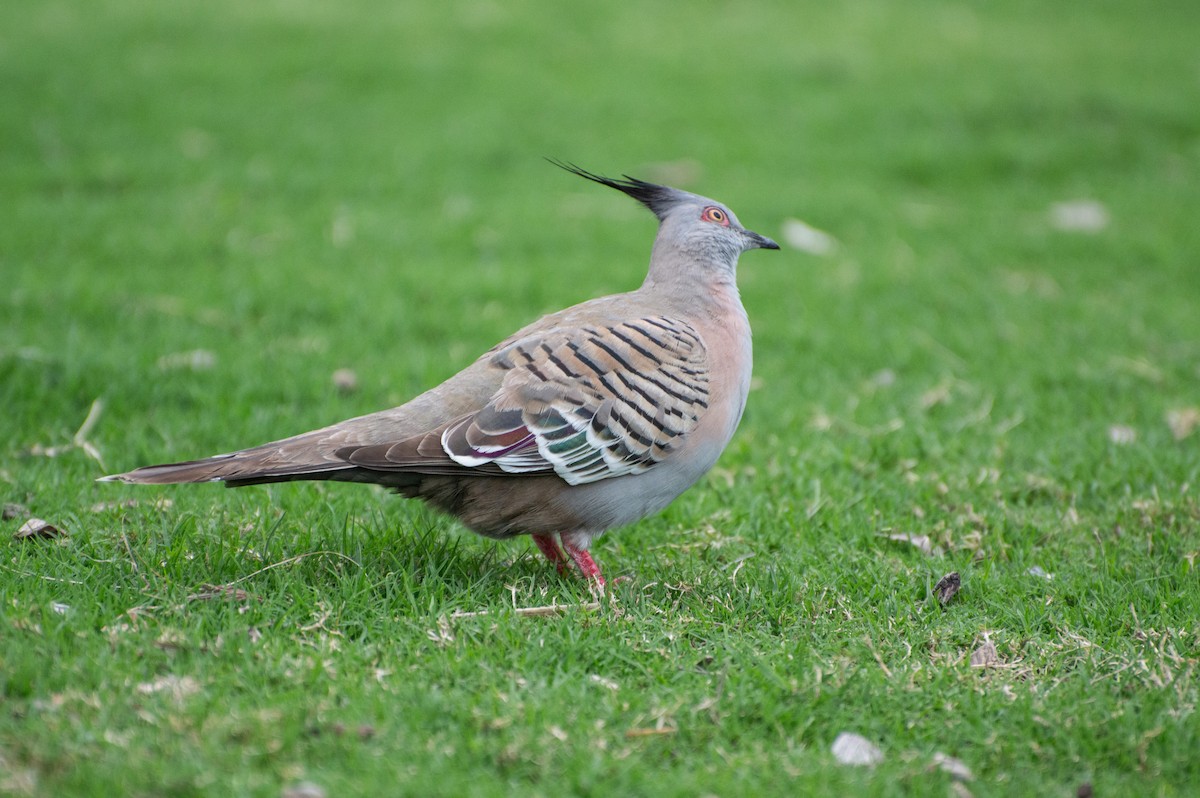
x=586, y=403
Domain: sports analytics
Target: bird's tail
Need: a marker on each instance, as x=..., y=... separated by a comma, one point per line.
x=295, y=458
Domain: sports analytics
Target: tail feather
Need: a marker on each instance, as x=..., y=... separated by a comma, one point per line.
x=206, y=470
x=234, y=470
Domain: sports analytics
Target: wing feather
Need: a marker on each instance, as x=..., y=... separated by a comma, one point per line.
x=586, y=403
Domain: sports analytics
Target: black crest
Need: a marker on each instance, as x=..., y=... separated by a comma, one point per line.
x=659, y=199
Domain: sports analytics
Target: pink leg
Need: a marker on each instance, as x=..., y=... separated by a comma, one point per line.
x=587, y=566
x=548, y=546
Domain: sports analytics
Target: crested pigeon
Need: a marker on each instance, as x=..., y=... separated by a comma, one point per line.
x=588, y=419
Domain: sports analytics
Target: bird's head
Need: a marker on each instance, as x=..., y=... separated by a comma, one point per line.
x=696, y=227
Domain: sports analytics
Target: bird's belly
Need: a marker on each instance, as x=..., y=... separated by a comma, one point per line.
x=502, y=507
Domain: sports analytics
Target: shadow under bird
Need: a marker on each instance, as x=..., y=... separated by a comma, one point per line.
x=588, y=419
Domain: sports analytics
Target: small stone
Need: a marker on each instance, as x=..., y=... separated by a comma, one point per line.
x=1183, y=421
x=305, y=789
x=854, y=749
x=345, y=380
x=1122, y=435
x=1079, y=216
x=809, y=239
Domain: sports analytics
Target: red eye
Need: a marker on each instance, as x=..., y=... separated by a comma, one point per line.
x=713, y=214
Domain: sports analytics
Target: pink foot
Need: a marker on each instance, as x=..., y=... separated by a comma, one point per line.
x=548, y=546
x=587, y=566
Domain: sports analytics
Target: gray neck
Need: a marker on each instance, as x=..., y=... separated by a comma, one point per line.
x=690, y=270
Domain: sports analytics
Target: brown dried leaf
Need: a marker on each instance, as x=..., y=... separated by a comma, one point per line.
x=1183, y=421
x=922, y=542
x=985, y=656
x=37, y=528
x=228, y=592
x=947, y=587
x=13, y=510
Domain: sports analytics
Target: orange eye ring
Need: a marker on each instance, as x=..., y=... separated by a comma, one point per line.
x=715, y=215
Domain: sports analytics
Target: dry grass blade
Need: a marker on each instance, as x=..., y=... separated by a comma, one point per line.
x=161, y=503
x=227, y=592
x=78, y=440
x=176, y=687
x=957, y=769
x=292, y=561
x=635, y=733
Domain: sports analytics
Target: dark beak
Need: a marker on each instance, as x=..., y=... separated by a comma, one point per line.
x=759, y=241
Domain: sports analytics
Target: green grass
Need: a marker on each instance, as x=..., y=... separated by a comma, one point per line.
x=297, y=187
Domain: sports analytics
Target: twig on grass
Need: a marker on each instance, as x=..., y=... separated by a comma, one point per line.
x=137, y=569
x=738, y=563
x=41, y=576
x=550, y=609
x=875, y=653
x=79, y=439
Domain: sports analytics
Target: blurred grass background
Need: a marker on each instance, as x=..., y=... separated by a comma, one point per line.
x=292, y=188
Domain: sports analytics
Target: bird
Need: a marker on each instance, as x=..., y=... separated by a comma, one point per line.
x=586, y=420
